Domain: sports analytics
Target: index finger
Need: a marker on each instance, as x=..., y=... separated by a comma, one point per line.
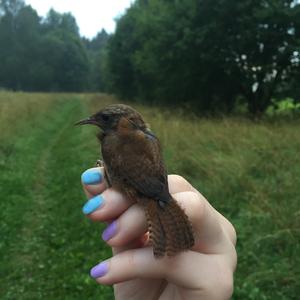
x=93, y=181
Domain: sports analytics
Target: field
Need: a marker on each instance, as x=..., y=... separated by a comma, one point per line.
x=249, y=171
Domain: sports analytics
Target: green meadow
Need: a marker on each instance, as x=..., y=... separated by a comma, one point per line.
x=249, y=171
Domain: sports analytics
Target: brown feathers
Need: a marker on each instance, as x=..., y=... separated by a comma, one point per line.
x=169, y=228
x=134, y=165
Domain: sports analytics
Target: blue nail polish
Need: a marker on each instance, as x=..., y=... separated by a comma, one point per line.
x=92, y=204
x=91, y=176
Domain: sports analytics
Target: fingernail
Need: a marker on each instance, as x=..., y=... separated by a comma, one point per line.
x=110, y=231
x=99, y=270
x=91, y=176
x=92, y=204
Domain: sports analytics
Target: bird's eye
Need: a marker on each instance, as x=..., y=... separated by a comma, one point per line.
x=105, y=118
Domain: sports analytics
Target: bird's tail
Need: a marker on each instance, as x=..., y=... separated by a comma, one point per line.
x=169, y=227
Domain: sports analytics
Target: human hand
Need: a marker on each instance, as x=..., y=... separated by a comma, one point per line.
x=203, y=272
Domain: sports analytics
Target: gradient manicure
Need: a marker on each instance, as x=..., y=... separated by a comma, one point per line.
x=92, y=204
x=110, y=231
x=91, y=176
x=99, y=270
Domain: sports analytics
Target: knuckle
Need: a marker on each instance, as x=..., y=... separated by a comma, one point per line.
x=193, y=205
x=227, y=287
x=225, y=282
x=232, y=233
x=196, y=206
x=234, y=258
x=131, y=260
x=178, y=180
x=94, y=217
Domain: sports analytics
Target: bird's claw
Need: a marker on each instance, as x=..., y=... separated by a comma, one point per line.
x=99, y=163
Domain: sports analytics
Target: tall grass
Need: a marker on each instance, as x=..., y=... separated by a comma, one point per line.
x=20, y=108
x=249, y=171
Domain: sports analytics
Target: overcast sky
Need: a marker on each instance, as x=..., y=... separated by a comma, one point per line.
x=91, y=15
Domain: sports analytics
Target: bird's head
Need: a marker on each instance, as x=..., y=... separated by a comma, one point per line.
x=114, y=117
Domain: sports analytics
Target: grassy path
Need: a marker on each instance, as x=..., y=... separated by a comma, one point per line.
x=41, y=224
x=249, y=171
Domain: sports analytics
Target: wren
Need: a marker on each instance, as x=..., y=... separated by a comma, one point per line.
x=133, y=165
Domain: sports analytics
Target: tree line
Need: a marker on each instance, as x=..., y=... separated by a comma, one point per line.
x=46, y=54
x=212, y=55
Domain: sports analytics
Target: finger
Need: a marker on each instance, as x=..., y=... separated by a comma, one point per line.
x=140, y=263
x=93, y=181
x=207, y=226
x=110, y=204
x=206, y=220
x=140, y=242
x=107, y=206
x=130, y=226
x=208, y=232
x=135, y=263
x=178, y=184
x=229, y=229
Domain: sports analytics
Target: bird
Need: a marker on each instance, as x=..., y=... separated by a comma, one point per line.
x=133, y=164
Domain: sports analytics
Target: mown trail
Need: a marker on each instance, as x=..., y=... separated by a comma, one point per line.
x=250, y=172
x=45, y=234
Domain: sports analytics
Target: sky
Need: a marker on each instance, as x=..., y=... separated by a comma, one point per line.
x=91, y=15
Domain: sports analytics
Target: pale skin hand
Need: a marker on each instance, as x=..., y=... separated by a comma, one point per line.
x=204, y=272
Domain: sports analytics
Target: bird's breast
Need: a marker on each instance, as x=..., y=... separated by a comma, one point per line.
x=126, y=144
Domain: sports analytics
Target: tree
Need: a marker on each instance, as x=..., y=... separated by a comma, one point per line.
x=40, y=55
x=265, y=40
x=11, y=7
x=56, y=21
x=96, y=49
x=19, y=26
x=121, y=51
x=209, y=53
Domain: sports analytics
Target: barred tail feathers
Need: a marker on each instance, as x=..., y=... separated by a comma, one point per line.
x=169, y=228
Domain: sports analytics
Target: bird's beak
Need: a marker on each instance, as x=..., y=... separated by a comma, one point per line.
x=90, y=120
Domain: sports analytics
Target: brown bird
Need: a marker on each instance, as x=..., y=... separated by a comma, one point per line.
x=133, y=165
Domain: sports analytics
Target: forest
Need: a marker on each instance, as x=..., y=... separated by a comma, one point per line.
x=46, y=54
x=212, y=56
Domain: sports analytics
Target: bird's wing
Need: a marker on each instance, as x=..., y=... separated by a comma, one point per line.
x=142, y=170
x=146, y=177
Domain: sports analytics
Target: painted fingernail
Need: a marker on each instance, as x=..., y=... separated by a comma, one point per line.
x=91, y=176
x=109, y=231
x=99, y=270
x=92, y=204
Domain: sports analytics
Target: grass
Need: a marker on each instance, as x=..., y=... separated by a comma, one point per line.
x=249, y=171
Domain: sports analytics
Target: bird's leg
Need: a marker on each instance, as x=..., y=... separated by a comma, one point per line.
x=107, y=178
x=99, y=163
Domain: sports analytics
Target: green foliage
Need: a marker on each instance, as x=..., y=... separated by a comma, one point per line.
x=11, y=6
x=14, y=59
x=96, y=49
x=212, y=56
x=250, y=172
x=208, y=53
x=45, y=54
x=45, y=239
x=65, y=22
x=286, y=107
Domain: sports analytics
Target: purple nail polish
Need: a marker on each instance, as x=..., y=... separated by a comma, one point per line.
x=109, y=231
x=99, y=270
